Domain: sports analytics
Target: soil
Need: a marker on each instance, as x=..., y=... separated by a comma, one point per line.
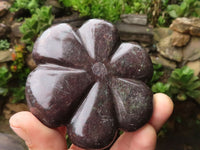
x=182, y=130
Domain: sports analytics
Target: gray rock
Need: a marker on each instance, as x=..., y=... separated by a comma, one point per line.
x=195, y=65
x=30, y=62
x=158, y=59
x=57, y=9
x=134, y=19
x=179, y=39
x=135, y=32
x=161, y=33
x=10, y=142
x=10, y=109
x=165, y=48
x=15, y=29
x=187, y=25
x=3, y=30
x=136, y=37
x=134, y=29
x=5, y=56
x=4, y=7
x=191, y=52
x=73, y=20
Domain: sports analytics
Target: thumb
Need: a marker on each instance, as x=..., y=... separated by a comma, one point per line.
x=35, y=134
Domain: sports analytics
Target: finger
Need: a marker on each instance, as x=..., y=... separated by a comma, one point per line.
x=142, y=139
x=145, y=137
x=74, y=147
x=36, y=135
x=162, y=109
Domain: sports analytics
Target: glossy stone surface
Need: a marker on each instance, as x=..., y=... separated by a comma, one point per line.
x=90, y=82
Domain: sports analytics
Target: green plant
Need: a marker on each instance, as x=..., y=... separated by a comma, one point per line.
x=160, y=87
x=188, y=8
x=107, y=9
x=157, y=73
x=69, y=143
x=30, y=5
x=18, y=58
x=5, y=76
x=17, y=91
x=4, y=45
x=181, y=84
x=184, y=84
x=35, y=25
x=18, y=94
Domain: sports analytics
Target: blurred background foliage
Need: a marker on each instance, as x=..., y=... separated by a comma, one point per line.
x=159, y=12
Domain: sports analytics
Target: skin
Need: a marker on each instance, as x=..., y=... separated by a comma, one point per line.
x=39, y=137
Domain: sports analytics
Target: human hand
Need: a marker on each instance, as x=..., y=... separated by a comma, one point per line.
x=39, y=137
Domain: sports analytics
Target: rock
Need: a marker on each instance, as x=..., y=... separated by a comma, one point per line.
x=191, y=52
x=15, y=29
x=135, y=32
x=179, y=39
x=4, y=7
x=74, y=20
x=30, y=62
x=3, y=30
x=57, y=9
x=163, y=61
x=186, y=25
x=10, y=142
x=195, y=65
x=5, y=56
x=134, y=19
x=11, y=109
x=165, y=48
x=136, y=37
x=161, y=33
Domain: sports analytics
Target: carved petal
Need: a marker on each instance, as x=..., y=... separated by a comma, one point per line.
x=60, y=45
x=131, y=61
x=133, y=103
x=53, y=92
x=94, y=125
x=100, y=38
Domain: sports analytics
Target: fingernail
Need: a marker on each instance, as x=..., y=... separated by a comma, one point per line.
x=21, y=133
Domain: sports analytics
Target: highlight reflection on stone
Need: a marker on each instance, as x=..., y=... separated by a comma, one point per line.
x=90, y=82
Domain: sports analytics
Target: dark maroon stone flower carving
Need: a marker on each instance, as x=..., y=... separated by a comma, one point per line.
x=90, y=82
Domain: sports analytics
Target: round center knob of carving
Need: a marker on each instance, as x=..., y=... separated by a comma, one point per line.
x=99, y=69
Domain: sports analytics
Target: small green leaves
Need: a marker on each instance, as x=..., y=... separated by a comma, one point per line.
x=181, y=84
x=4, y=45
x=35, y=25
x=188, y=8
x=5, y=76
x=187, y=84
x=30, y=5
x=160, y=87
x=107, y=9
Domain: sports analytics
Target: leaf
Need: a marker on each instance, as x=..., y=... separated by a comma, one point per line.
x=183, y=6
x=194, y=94
x=194, y=85
x=197, y=10
x=67, y=3
x=160, y=87
x=181, y=97
x=3, y=91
